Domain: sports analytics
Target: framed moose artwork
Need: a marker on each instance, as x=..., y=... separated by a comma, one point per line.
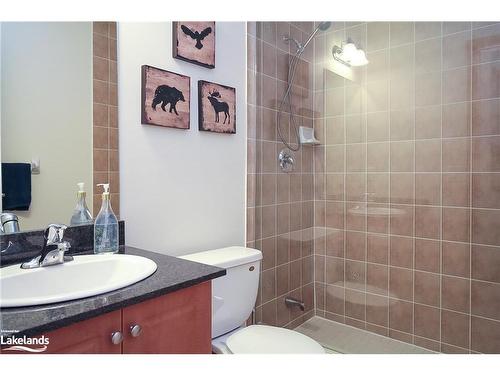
x=216, y=107
x=165, y=98
x=194, y=42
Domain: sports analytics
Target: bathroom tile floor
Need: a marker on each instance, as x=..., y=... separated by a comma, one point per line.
x=340, y=338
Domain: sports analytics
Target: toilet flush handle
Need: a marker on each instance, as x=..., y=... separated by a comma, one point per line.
x=217, y=302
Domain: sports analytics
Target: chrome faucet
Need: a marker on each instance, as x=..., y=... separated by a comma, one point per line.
x=9, y=223
x=53, y=248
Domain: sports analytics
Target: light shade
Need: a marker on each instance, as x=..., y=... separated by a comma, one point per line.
x=348, y=50
x=359, y=58
x=350, y=55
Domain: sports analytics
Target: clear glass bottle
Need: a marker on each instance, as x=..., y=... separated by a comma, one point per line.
x=81, y=214
x=105, y=226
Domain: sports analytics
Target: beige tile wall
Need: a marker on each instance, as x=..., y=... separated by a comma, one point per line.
x=105, y=114
x=407, y=202
x=280, y=205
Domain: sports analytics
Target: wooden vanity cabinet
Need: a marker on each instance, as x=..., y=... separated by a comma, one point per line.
x=176, y=323
x=92, y=336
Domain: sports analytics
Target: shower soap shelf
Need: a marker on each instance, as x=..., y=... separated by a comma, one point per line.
x=307, y=136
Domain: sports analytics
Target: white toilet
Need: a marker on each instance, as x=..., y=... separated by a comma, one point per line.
x=233, y=298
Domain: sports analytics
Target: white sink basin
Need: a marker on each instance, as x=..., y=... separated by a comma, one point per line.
x=85, y=276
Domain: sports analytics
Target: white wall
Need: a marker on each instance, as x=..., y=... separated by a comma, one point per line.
x=46, y=83
x=181, y=190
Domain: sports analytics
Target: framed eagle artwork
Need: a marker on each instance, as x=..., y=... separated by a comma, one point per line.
x=194, y=42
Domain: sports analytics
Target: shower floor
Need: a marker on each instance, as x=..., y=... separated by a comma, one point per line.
x=340, y=338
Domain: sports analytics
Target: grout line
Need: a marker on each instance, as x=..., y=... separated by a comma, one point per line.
x=470, y=201
x=414, y=184
x=259, y=167
x=389, y=190
x=416, y=106
x=385, y=203
x=323, y=190
x=344, y=222
x=315, y=204
x=441, y=201
x=486, y=136
x=364, y=104
x=276, y=224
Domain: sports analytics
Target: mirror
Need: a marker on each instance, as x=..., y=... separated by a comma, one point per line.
x=46, y=118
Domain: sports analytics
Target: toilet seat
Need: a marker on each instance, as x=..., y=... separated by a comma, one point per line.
x=261, y=339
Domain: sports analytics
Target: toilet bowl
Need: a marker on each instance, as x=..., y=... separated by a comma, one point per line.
x=262, y=339
x=233, y=298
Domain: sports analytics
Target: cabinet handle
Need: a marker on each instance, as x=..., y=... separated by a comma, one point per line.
x=116, y=338
x=135, y=330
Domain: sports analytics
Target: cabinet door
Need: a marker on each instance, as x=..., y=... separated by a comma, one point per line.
x=178, y=322
x=92, y=336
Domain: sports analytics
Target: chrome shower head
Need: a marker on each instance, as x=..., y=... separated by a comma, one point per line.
x=323, y=26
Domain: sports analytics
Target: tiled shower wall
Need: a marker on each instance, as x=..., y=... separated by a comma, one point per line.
x=407, y=184
x=105, y=114
x=280, y=205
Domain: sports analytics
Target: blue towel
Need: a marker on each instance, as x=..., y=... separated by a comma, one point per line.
x=16, y=186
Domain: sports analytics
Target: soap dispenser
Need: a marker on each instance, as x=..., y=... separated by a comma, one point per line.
x=81, y=215
x=105, y=226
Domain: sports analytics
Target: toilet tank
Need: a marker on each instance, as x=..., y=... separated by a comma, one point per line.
x=233, y=295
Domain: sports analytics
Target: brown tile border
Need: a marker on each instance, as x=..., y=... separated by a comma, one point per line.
x=105, y=113
x=280, y=207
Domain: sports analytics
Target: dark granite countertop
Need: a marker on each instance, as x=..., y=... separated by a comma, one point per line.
x=172, y=274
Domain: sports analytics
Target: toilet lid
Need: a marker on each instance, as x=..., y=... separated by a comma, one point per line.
x=260, y=339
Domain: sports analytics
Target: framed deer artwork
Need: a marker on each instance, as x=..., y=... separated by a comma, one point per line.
x=216, y=107
x=165, y=98
x=194, y=42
